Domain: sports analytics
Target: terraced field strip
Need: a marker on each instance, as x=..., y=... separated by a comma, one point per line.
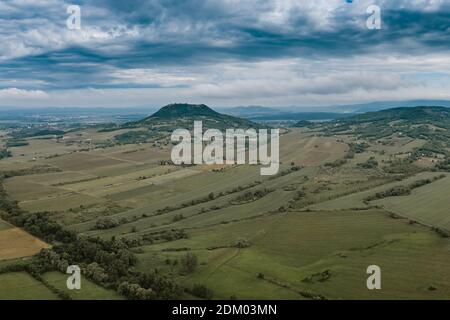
x=356, y=200
x=225, y=210
x=60, y=202
x=429, y=204
x=22, y=189
x=182, y=190
x=83, y=161
x=118, y=183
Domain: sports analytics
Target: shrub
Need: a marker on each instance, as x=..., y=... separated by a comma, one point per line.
x=369, y=164
x=189, y=262
x=202, y=291
x=106, y=223
x=242, y=243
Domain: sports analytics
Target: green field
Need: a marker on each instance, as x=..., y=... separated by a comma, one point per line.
x=291, y=247
x=429, y=204
x=88, y=291
x=356, y=200
x=21, y=286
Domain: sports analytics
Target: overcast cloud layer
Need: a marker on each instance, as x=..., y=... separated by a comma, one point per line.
x=222, y=52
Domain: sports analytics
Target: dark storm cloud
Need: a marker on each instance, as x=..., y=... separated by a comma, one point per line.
x=150, y=35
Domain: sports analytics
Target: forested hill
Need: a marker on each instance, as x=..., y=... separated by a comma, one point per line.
x=177, y=110
x=431, y=124
x=184, y=115
x=439, y=116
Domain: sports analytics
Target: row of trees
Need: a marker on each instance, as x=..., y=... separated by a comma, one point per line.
x=402, y=190
x=252, y=196
x=5, y=153
x=444, y=165
x=371, y=163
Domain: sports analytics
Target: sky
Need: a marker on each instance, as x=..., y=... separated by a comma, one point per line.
x=222, y=52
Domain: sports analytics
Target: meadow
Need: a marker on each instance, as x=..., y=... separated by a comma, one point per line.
x=428, y=204
x=88, y=291
x=356, y=200
x=308, y=232
x=21, y=286
x=323, y=254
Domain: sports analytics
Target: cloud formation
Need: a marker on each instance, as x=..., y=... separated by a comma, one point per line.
x=223, y=52
x=20, y=94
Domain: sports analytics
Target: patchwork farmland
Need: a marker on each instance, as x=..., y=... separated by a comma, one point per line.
x=225, y=231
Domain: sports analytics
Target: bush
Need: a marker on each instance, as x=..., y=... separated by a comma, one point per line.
x=202, y=291
x=444, y=165
x=4, y=153
x=336, y=164
x=393, y=192
x=135, y=292
x=369, y=164
x=177, y=218
x=189, y=262
x=242, y=243
x=106, y=223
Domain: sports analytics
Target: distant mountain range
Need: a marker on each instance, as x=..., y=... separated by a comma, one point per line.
x=439, y=116
x=254, y=113
x=431, y=124
x=376, y=106
x=259, y=113
x=249, y=111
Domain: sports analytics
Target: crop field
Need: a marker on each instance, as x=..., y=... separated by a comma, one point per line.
x=57, y=178
x=39, y=195
x=305, y=150
x=178, y=191
x=23, y=190
x=142, y=153
x=40, y=149
x=61, y=202
x=81, y=161
x=16, y=243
